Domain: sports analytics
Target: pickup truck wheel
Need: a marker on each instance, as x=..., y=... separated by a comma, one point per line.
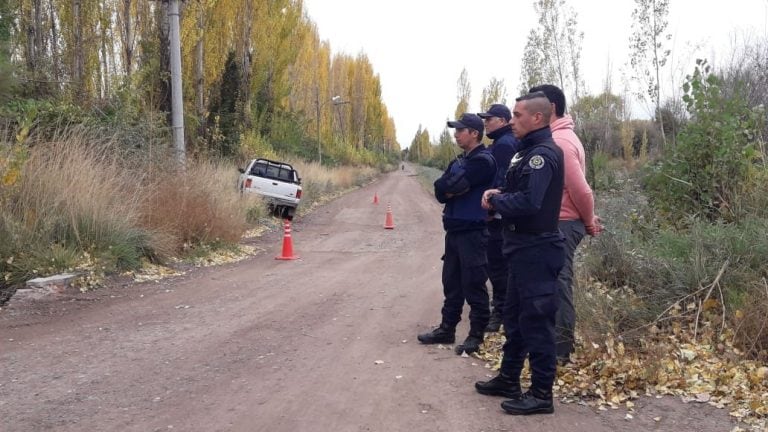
x=284, y=212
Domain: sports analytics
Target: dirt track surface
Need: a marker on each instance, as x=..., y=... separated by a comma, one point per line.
x=266, y=345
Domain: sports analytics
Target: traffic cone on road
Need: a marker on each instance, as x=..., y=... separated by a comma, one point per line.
x=287, y=243
x=389, y=223
x=375, y=198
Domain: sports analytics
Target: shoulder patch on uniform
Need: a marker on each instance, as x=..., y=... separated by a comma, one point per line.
x=536, y=162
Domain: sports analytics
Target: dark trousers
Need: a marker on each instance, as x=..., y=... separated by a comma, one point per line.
x=566, y=314
x=529, y=312
x=497, y=265
x=464, y=276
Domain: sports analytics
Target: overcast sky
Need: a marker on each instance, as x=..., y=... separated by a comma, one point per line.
x=419, y=47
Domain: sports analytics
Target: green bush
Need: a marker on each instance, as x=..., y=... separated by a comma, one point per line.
x=710, y=170
x=605, y=174
x=253, y=145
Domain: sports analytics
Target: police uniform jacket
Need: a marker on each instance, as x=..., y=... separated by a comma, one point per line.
x=504, y=146
x=461, y=189
x=530, y=202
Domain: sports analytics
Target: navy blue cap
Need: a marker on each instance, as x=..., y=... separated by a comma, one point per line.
x=470, y=121
x=497, y=110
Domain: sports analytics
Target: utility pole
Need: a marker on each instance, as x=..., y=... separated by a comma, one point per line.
x=177, y=102
x=318, y=106
x=319, y=146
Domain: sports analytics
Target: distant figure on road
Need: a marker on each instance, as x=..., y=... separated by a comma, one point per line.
x=466, y=237
x=577, y=213
x=530, y=205
x=402, y=167
x=504, y=146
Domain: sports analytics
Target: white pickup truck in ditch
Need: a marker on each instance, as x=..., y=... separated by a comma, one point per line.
x=277, y=182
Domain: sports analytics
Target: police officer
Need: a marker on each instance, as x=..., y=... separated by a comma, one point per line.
x=497, y=128
x=460, y=188
x=530, y=205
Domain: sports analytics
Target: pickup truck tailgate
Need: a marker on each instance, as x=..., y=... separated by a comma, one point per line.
x=271, y=188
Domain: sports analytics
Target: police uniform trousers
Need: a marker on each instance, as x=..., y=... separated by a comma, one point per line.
x=497, y=264
x=531, y=306
x=464, y=275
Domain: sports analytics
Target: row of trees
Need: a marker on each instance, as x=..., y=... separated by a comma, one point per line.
x=714, y=168
x=249, y=66
x=552, y=54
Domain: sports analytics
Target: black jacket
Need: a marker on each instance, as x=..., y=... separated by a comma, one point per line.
x=504, y=146
x=530, y=202
x=461, y=188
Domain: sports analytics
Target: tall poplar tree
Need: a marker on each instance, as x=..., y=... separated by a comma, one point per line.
x=445, y=150
x=648, y=50
x=534, y=68
x=6, y=24
x=494, y=92
x=286, y=77
x=420, y=149
x=552, y=53
x=463, y=93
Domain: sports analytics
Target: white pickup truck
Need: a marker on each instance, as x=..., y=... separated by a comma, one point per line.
x=277, y=182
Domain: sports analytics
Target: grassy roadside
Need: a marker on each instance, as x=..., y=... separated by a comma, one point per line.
x=85, y=204
x=427, y=176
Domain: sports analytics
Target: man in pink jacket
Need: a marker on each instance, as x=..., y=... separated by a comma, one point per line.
x=577, y=212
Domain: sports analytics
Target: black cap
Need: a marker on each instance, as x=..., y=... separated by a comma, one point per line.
x=470, y=121
x=497, y=110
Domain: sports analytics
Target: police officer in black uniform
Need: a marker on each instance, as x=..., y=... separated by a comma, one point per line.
x=504, y=146
x=461, y=188
x=530, y=208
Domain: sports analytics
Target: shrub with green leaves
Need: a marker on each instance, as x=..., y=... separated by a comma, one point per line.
x=710, y=170
x=604, y=173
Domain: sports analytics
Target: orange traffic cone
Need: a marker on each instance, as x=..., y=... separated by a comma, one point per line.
x=388, y=222
x=375, y=198
x=287, y=243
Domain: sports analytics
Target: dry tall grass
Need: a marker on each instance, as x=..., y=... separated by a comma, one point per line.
x=77, y=195
x=69, y=179
x=83, y=194
x=198, y=205
x=321, y=181
x=337, y=177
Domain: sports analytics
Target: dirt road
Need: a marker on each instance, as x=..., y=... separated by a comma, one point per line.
x=325, y=343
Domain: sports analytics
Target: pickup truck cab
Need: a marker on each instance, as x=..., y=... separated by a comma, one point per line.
x=277, y=182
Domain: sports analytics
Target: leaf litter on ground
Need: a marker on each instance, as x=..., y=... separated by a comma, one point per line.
x=698, y=363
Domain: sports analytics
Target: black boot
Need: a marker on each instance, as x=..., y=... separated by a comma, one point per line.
x=442, y=334
x=532, y=402
x=494, y=324
x=471, y=343
x=501, y=385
